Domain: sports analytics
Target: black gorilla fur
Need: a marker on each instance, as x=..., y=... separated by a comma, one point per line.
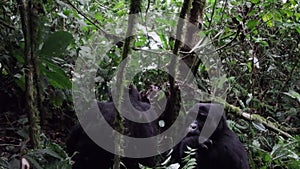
x=90, y=155
x=222, y=150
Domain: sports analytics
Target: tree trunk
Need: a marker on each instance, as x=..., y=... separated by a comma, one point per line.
x=27, y=13
x=135, y=7
x=191, y=38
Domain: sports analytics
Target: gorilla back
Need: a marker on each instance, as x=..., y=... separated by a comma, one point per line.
x=90, y=155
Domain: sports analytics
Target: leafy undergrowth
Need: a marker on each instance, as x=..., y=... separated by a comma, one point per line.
x=14, y=145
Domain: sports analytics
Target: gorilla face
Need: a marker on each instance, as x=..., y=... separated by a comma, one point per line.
x=221, y=149
x=216, y=120
x=194, y=128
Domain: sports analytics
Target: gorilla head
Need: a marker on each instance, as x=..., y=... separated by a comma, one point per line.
x=216, y=120
x=220, y=149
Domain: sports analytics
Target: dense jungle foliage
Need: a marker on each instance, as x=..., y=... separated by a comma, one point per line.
x=256, y=41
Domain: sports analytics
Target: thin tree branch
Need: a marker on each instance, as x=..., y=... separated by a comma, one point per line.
x=173, y=103
x=6, y=25
x=116, y=39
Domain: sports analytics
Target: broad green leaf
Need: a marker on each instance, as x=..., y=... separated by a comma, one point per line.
x=297, y=16
x=119, y=5
x=298, y=30
x=293, y=94
x=211, y=1
x=56, y=44
x=267, y=157
x=259, y=126
x=49, y=152
x=98, y=16
x=277, y=16
x=251, y=24
x=268, y=18
x=56, y=76
x=141, y=41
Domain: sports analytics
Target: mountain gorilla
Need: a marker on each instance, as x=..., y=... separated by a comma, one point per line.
x=90, y=155
x=222, y=150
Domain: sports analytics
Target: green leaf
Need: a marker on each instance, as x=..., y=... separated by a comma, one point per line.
x=249, y=66
x=56, y=44
x=267, y=158
x=4, y=163
x=141, y=41
x=277, y=16
x=119, y=5
x=56, y=76
x=20, y=80
x=293, y=94
x=58, y=98
x=268, y=18
x=255, y=1
x=49, y=152
x=98, y=16
x=298, y=30
x=163, y=40
x=297, y=16
x=259, y=126
x=251, y=24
